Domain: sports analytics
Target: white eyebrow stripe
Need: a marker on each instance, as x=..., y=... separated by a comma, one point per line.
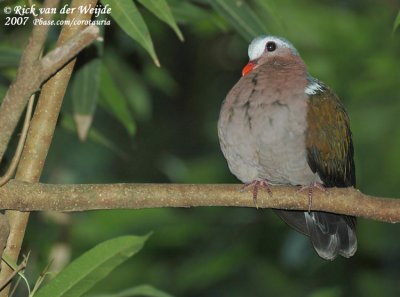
x=313, y=88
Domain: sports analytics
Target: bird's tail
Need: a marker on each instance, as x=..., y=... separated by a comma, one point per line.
x=330, y=234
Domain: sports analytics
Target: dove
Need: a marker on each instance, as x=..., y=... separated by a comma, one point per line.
x=279, y=125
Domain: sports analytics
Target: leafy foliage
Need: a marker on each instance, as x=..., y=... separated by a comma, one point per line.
x=241, y=17
x=127, y=16
x=114, y=101
x=92, y=266
x=161, y=9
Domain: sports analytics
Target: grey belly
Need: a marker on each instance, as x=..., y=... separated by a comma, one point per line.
x=270, y=146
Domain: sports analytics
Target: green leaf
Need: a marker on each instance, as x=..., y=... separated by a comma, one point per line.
x=161, y=79
x=91, y=267
x=396, y=22
x=240, y=16
x=85, y=86
x=188, y=13
x=127, y=16
x=143, y=290
x=67, y=122
x=161, y=10
x=85, y=92
x=200, y=18
x=135, y=89
x=113, y=101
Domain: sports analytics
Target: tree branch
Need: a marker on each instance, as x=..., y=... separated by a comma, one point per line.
x=44, y=197
x=58, y=57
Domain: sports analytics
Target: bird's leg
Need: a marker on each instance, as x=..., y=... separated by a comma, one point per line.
x=310, y=189
x=256, y=184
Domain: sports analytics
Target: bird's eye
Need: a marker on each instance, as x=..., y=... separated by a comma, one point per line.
x=271, y=46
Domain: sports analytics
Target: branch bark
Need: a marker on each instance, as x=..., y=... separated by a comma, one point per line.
x=24, y=196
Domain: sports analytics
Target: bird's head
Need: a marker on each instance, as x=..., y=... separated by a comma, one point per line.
x=266, y=48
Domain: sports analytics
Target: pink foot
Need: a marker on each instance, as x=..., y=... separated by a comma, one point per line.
x=257, y=184
x=310, y=188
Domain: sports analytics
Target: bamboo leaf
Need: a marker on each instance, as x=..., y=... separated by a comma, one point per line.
x=135, y=89
x=161, y=79
x=85, y=87
x=240, y=16
x=114, y=101
x=93, y=266
x=161, y=9
x=85, y=93
x=186, y=12
x=83, y=123
x=127, y=16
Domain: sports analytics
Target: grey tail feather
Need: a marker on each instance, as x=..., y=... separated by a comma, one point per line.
x=330, y=234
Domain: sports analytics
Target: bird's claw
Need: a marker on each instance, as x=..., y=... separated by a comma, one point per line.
x=310, y=188
x=257, y=184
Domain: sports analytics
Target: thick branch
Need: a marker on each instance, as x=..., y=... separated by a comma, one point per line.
x=33, y=197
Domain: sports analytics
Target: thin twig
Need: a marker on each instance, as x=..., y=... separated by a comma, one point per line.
x=41, y=278
x=16, y=270
x=18, y=152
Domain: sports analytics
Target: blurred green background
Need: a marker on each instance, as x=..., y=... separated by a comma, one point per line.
x=168, y=135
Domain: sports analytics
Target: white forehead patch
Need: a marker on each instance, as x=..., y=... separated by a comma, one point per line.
x=257, y=46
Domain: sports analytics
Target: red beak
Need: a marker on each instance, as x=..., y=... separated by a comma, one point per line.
x=248, y=68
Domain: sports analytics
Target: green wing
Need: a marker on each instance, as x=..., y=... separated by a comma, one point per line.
x=328, y=139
